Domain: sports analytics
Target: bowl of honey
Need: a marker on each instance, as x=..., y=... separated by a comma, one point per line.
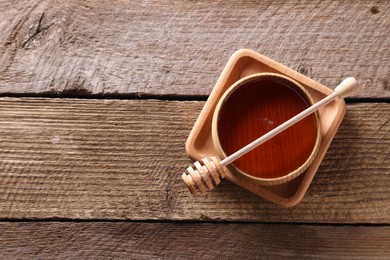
x=253, y=106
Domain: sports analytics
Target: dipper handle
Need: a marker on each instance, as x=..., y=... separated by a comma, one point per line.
x=207, y=173
x=346, y=87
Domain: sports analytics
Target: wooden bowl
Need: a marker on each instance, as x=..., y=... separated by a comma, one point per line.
x=255, y=105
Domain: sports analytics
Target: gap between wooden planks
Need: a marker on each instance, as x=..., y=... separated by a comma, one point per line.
x=191, y=240
x=122, y=159
x=127, y=47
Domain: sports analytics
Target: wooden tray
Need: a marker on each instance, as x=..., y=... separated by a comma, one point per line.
x=246, y=62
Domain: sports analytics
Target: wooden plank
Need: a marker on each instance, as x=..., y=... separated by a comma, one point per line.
x=122, y=159
x=126, y=240
x=82, y=47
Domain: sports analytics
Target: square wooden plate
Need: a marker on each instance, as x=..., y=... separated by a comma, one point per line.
x=246, y=62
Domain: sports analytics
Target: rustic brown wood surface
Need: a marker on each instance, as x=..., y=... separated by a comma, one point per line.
x=125, y=240
x=100, y=178
x=122, y=159
x=128, y=47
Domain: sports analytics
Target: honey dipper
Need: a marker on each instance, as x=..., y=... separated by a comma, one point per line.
x=209, y=171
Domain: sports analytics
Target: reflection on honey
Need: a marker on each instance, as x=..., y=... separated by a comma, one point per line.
x=254, y=109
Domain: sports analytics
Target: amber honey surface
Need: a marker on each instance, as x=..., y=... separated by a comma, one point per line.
x=254, y=109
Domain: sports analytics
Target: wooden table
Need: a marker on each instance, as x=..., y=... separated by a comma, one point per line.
x=98, y=98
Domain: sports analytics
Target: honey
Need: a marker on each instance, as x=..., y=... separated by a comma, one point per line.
x=255, y=108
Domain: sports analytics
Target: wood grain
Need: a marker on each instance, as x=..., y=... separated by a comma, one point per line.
x=124, y=240
x=122, y=159
x=78, y=48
